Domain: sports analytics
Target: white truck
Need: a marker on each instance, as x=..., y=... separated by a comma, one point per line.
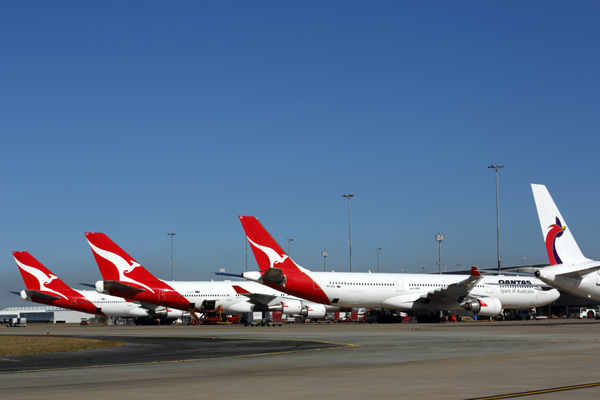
x=17, y=322
x=584, y=312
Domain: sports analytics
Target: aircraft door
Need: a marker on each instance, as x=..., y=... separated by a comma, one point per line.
x=399, y=285
x=489, y=289
x=74, y=301
x=161, y=295
x=228, y=298
x=598, y=279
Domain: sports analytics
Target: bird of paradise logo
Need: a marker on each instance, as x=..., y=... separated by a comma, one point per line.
x=556, y=231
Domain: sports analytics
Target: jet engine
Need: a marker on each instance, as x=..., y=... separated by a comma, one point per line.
x=287, y=306
x=486, y=306
x=167, y=313
x=314, y=310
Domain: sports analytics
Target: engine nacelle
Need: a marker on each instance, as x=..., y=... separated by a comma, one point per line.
x=314, y=310
x=287, y=306
x=164, y=312
x=25, y=296
x=99, y=286
x=486, y=306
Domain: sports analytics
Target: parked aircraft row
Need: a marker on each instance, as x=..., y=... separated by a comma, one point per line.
x=128, y=289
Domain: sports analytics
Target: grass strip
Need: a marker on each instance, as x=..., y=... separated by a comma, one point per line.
x=22, y=345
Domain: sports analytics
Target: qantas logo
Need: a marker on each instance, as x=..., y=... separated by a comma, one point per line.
x=556, y=231
x=284, y=305
x=513, y=282
x=121, y=265
x=42, y=278
x=274, y=258
x=482, y=303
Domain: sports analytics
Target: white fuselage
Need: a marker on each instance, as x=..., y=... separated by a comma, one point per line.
x=587, y=286
x=402, y=291
x=225, y=296
x=113, y=306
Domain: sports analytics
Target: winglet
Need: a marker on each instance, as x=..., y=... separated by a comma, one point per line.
x=240, y=290
x=474, y=271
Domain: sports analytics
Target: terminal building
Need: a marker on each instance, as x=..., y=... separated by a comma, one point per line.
x=43, y=314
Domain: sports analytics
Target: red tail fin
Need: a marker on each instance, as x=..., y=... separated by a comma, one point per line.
x=39, y=278
x=278, y=269
x=266, y=250
x=474, y=271
x=114, y=263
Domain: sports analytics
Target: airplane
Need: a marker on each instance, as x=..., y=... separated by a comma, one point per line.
x=569, y=269
x=417, y=293
x=42, y=286
x=124, y=277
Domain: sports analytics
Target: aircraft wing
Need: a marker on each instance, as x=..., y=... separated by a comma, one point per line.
x=34, y=294
x=117, y=286
x=455, y=292
x=255, y=298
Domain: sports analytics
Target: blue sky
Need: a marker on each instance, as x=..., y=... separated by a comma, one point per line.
x=138, y=119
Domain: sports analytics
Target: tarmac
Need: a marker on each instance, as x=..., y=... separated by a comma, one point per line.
x=551, y=359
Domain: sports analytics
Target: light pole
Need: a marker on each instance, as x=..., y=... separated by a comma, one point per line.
x=440, y=238
x=289, y=240
x=377, y=248
x=324, y=253
x=349, y=195
x=171, y=234
x=496, y=166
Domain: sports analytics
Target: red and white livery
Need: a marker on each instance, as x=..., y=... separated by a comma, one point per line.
x=42, y=286
x=419, y=293
x=124, y=277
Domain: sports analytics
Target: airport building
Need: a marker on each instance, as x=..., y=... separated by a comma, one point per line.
x=43, y=314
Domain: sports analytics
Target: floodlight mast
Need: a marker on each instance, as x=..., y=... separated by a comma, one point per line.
x=349, y=195
x=496, y=166
x=171, y=234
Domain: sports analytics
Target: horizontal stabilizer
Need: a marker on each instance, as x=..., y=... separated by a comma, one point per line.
x=227, y=274
x=117, y=286
x=585, y=269
x=34, y=294
x=274, y=276
x=17, y=293
x=88, y=285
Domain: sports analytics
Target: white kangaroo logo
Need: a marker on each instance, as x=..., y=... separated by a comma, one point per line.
x=42, y=278
x=274, y=258
x=121, y=265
